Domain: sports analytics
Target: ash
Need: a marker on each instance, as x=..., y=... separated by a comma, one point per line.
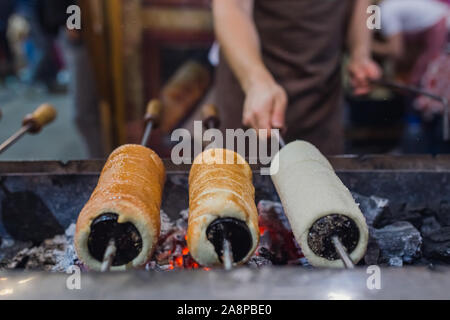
x=393, y=242
x=56, y=254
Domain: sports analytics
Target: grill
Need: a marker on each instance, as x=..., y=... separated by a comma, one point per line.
x=406, y=201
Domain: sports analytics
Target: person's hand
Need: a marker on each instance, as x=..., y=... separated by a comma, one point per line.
x=362, y=71
x=265, y=105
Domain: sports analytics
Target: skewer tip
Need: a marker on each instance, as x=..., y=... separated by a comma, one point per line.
x=109, y=256
x=342, y=252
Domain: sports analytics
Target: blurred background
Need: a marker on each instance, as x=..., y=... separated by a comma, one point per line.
x=101, y=77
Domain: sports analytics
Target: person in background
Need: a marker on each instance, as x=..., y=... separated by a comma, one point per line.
x=48, y=19
x=415, y=37
x=280, y=65
x=6, y=57
x=436, y=80
x=82, y=85
x=415, y=33
x=44, y=58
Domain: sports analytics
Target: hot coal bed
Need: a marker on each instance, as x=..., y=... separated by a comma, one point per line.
x=408, y=213
x=406, y=202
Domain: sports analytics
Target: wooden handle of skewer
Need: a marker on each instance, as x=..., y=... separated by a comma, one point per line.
x=154, y=109
x=210, y=114
x=41, y=117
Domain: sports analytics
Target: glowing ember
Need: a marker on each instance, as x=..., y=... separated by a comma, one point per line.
x=277, y=245
x=262, y=230
x=277, y=242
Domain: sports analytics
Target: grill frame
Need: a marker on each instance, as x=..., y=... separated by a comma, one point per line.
x=417, y=181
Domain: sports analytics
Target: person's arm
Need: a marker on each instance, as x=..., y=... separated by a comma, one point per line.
x=393, y=47
x=361, y=66
x=266, y=101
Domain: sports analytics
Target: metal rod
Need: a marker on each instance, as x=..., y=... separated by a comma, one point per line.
x=348, y=263
x=227, y=254
x=281, y=141
x=210, y=124
x=14, y=138
x=110, y=254
x=443, y=100
x=147, y=134
x=278, y=135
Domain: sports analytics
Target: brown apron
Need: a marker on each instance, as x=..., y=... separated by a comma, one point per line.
x=302, y=43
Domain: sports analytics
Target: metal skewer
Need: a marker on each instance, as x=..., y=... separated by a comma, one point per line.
x=32, y=123
x=227, y=257
x=340, y=249
x=281, y=141
x=15, y=137
x=152, y=118
x=279, y=136
x=147, y=133
x=110, y=254
x=210, y=116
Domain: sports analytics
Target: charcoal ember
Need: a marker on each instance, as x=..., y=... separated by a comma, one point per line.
x=437, y=245
x=43, y=257
x=10, y=248
x=276, y=234
x=56, y=254
x=172, y=252
x=413, y=215
x=400, y=240
x=152, y=266
x=429, y=226
x=395, y=262
x=373, y=252
x=182, y=223
x=265, y=253
x=69, y=258
x=373, y=208
x=273, y=210
x=444, y=213
x=259, y=262
x=166, y=223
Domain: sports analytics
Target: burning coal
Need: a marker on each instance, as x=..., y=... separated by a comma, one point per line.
x=392, y=243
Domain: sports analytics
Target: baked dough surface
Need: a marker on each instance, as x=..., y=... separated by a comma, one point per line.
x=309, y=189
x=219, y=189
x=130, y=185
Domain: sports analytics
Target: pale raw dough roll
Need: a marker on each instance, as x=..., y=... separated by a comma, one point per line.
x=299, y=151
x=130, y=188
x=309, y=190
x=219, y=189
